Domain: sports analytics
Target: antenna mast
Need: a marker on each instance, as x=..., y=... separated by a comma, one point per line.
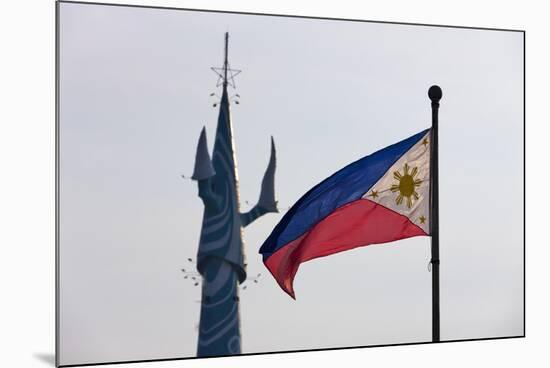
x=226, y=62
x=225, y=74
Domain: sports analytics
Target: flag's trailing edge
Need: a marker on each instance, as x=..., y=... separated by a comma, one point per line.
x=380, y=198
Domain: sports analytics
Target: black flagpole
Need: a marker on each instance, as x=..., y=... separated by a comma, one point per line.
x=435, y=95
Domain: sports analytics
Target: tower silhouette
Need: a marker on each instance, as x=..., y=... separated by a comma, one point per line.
x=220, y=258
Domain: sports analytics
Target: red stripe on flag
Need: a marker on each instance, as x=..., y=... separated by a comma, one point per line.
x=356, y=224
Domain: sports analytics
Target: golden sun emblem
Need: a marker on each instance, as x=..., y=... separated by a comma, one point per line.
x=407, y=185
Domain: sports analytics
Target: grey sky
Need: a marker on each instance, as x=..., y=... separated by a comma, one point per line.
x=134, y=94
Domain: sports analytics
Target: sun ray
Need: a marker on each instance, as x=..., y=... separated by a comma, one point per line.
x=409, y=202
x=397, y=175
x=399, y=199
x=406, y=169
x=414, y=171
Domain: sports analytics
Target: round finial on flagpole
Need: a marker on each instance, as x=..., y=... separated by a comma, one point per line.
x=435, y=93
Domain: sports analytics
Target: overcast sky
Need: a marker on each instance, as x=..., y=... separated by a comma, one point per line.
x=134, y=95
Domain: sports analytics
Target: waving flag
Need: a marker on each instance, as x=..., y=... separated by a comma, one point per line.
x=380, y=198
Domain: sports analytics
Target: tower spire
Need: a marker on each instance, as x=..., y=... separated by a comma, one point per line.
x=226, y=62
x=226, y=75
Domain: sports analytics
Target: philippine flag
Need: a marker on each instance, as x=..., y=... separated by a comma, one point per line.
x=380, y=198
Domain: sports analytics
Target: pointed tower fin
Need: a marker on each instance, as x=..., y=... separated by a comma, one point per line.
x=267, y=202
x=203, y=164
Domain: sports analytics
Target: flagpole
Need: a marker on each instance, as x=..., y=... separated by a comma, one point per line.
x=435, y=95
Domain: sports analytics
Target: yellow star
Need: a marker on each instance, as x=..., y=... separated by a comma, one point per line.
x=422, y=219
x=374, y=194
x=425, y=142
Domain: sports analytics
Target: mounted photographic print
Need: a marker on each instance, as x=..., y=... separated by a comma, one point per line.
x=232, y=183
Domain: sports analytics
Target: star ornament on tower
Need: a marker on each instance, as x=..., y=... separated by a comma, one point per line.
x=231, y=74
